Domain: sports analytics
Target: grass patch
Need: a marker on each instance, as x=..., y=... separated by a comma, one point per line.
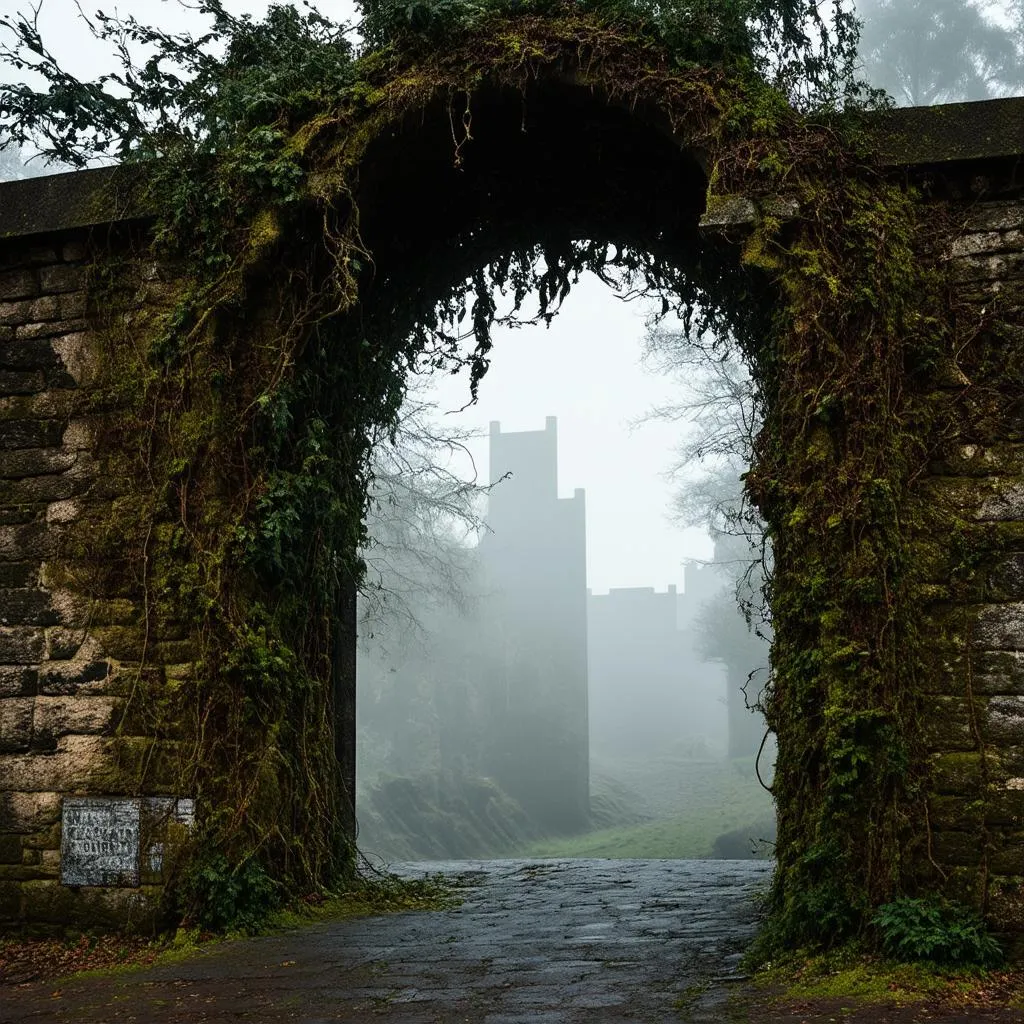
x=862, y=979
x=691, y=802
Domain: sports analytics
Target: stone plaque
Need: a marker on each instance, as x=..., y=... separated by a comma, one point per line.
x=100, y=841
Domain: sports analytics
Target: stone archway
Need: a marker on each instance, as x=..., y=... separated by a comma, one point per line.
x=185, y=477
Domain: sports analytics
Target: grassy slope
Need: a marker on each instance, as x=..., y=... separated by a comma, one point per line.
x=690, y=801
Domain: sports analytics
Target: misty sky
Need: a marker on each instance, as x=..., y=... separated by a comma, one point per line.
x=585, y=370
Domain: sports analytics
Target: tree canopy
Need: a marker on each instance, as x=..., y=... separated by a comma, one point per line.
x=938, y=51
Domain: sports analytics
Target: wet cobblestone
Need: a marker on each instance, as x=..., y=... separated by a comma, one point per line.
x=534, y=942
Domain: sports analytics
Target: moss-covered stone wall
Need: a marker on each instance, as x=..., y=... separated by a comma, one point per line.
x=974, y=710
x=62, y=671
x=94, y=668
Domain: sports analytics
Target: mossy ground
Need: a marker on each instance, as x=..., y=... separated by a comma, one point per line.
x=851, y=986
x=689, y=803
x=27, y=960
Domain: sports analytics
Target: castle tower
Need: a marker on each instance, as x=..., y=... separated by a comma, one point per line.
x=534, y=556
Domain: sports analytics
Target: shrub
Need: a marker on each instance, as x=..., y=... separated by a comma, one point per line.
x=938, y=931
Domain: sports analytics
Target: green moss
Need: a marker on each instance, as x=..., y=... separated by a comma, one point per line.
x=862, y=980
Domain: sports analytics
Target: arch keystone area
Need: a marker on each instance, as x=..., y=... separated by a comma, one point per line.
x=185, y=412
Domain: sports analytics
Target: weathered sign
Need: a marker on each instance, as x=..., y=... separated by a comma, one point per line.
x=100, y=841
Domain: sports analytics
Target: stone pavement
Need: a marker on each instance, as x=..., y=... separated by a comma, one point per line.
x=534, y=942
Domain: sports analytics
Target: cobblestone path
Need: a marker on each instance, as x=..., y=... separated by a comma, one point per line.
x=534, y=942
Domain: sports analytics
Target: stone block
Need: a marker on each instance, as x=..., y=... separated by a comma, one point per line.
x=999, y=627
x=129, y=910
x=952, y=812
x=72, y=305
x=21, y=382
x=67, y=678
x=71, y=609
x=45, y=308
x=984, y=267
x=78, y=435
x=1007, y=857
x=10, y=902
x=1005, y=580
x=54, y=717
x=1002, y=721
x=18, y=681
x=1008, y=762
x=35, y=433
x=175, y=652
x=14, y=313
x=63, y=644
x=19, y=575
x=77, y=354
x=44, y=839
x=63, y=512
x=1005, y=903
x=10, y=849
x=30, y=355
x=960, y=772
x=1005, y=807
x=42, y=490
x=50, y=329
x=27, y=608
x=18, y=284
x=27, y=813
x=988, y=243
x=62, y=277
x=999, y=216
x=78, y=762
x=33, y=462
x=946, y=725
x=21, y=645
x=51, y=404
x=1005, y=504
x=960, y=849
x=15, y=723
x=17, y=515
x=729, y=212
x=120, y=611
x=26, y=872
x=123, y=643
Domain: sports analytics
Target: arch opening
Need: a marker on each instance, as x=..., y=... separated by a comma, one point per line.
x=505, y=191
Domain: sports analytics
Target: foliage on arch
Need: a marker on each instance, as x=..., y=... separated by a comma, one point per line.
x=241, y=392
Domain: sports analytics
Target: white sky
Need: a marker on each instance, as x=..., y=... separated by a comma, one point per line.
x=586, y=370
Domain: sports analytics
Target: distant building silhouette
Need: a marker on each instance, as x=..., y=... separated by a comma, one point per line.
x=650, y=690
x=534, y=560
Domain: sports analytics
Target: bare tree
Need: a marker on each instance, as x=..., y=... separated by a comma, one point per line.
x=720, y=412
x=423, y=519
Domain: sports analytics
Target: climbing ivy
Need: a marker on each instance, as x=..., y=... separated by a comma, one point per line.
x=308, y=252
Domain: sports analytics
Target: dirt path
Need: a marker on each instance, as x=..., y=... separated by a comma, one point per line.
x=534, y=942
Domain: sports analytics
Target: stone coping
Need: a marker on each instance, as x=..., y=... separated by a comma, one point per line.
x=909, y=137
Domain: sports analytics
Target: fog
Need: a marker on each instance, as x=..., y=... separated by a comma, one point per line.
x=568, y=671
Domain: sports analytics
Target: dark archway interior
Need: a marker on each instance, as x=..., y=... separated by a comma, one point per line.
x=464, y=181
